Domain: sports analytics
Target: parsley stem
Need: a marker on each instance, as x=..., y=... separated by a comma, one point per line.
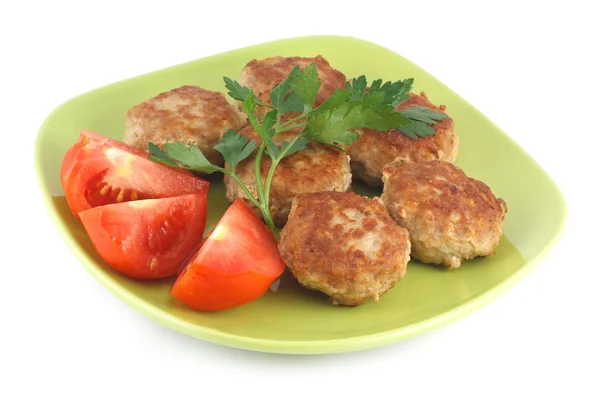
x=271, y=172
x=263, y=195
x=285, y=125
x=267, y=216
x=290, y=127
x=244, y=188
x=257, y=165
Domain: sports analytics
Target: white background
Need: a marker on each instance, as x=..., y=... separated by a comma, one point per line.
x=529, y=67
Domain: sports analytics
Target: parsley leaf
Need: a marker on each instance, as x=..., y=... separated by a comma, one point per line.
x=336, y=99
x=299, y=144
x=269, y=120
x=379, y=94
x=423, y=114
x=373, y=98
x=306, y=85
x=249, y=105
x=235, y=148
x=158, y=155
x=265, y=129
x=192, y=157
x=236, y=91
x=357, y=87
x=293, y=103
x=376, y=85
x=272, y=149
x=282, y=99
x=397, y=92
x=298, y=91
x=335, y=125
x=417, y=128
x=421, y=118
x=388, y=119
x=239, y=92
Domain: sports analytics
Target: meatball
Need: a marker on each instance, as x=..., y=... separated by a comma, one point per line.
x=449, y=216
x=264, y=75
x=314, y=169
x=374, y=149
x=188, y=114
x=344, y=245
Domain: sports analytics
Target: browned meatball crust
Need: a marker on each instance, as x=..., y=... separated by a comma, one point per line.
x=449, y=216
x=344, y=245
x=314, y=169
x=263, y=75
x=188, y=114
x=374, y=149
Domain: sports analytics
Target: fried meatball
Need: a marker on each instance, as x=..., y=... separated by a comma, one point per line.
x=314, y=169
x=264, y=75
x=188, y=114
x=374, y=149
x=344, y=245
x=449, y=216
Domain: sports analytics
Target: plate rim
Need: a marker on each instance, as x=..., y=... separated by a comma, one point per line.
x=329, y=346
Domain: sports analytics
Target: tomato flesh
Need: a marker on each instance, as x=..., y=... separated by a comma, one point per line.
x=147, y=239
x=237, y=263
x=97, y=171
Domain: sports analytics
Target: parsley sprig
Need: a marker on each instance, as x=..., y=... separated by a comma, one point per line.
x=332, y=123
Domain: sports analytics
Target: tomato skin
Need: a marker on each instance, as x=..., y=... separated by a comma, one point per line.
x=147, y=239
x=237, y=264
x=97, y=171
x=69, y=162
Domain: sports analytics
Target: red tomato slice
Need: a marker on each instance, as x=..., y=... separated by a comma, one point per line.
x=236, y=264
x=147, y=239
x=69, y=161
x=97, y=171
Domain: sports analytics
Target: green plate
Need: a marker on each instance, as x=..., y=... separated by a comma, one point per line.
x=293, y=320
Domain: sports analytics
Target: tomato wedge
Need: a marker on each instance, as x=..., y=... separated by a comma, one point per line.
x=147, y=239
x=97, y=171
x=236, y=264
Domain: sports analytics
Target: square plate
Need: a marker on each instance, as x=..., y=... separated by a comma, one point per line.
x=294, y=320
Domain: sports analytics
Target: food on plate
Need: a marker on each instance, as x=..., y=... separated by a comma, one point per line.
x=263, y=75
x=449, y=216
x=316, y=168
x=188, y=114
x=97, y=171
x=331, y=123
x=374, y=149
x=145, y=212
x=344, y=245
x=147, y=239
x=237, y=263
